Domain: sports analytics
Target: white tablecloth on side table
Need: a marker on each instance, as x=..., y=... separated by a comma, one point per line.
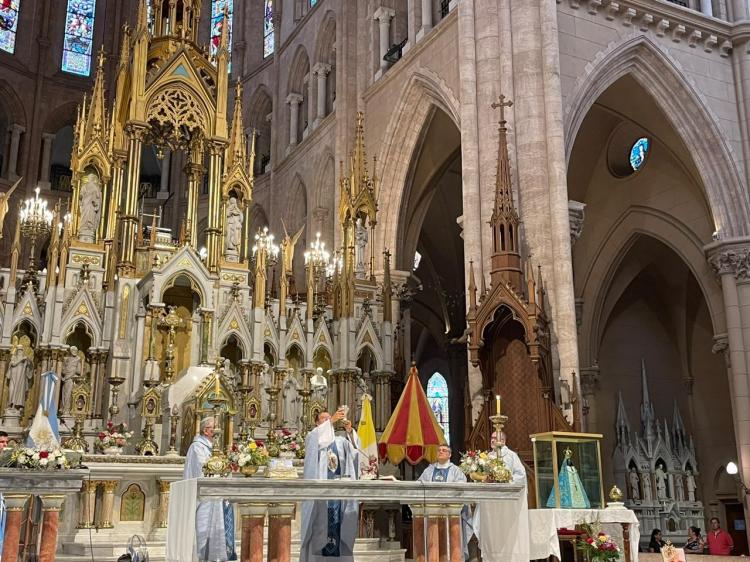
x=544, y=523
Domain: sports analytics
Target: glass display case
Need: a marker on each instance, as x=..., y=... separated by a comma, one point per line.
x=568, y=470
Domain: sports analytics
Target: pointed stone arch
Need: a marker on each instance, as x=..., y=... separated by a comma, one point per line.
x=598, y=278
x=423, y=92
x=11, y=102
x=686, y=110
x=325, y=44
x=260, y=110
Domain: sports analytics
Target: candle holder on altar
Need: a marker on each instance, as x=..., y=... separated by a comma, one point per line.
x=36, y=221
x=306, y=393
x=114, y=381
x=218, y=463
x=150, y=408
x=173, y=419
x=273, y=399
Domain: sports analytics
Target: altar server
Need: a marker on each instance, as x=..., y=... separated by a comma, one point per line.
x=328, y=528
x=445, y=471
x=214, y=520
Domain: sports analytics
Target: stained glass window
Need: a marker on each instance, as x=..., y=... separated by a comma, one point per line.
x=217, y=20
x=313, y=2
x=8, y=24
x=437, y=396
x=79, y=36
x=268, y=41
x=638, y=153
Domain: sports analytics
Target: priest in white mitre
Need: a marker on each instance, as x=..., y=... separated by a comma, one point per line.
x=445, y=471
x=328, y=528
x=214, y=520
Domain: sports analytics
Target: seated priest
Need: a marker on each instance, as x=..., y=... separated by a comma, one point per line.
x=445, y=471
x=328, y=528
x=214, y=520
x=510, y=458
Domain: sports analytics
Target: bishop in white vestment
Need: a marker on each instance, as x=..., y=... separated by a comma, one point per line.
x=214, y=520
x=328, y=528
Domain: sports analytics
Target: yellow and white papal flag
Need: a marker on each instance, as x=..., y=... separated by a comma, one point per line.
x=368, y=458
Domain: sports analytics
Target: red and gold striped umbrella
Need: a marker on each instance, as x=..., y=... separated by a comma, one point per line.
x=412, y=433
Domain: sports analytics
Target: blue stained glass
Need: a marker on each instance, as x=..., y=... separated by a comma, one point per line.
x=313, y=2
x=638, y=153
x=8, y=24
x=217, y=20
x=79, y=36
x=269, y=46
x=437, y=396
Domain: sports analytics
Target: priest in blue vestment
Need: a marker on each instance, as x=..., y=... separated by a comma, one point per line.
x=214, y=520
x=445, y=471
x=328, y=528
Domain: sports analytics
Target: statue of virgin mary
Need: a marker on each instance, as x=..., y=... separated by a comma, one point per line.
x=572, y=494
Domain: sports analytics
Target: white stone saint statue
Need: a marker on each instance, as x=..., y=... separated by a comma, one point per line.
x=266, y=381
x=20, y=371
x=292, y=402
x=690, y=485
x=233, y=231
x=90, y=202
x=71, y=368
x=647, y=491
x=360, y=241
x=661, y=482
x=635, y=493
x=679, y=488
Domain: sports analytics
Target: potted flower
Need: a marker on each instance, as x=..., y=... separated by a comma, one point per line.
x=30, y=458
x=483, y=466
x=248, y=457
x=112, y=438
x=596, y=545
x=291, y=444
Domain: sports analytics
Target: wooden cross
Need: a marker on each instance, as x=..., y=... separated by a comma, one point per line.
x=503, y=103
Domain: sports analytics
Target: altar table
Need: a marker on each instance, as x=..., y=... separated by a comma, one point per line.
x=621, y=523
x=431, y=502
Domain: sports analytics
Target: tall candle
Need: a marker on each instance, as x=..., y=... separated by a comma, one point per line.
x=497, y=404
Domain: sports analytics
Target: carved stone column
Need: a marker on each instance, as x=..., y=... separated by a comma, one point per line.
x=321, y=73
x=294, y=100
x=15, y=504
x=108, y=503
x=253, y=517
x=47, y=140
x=51, y=506
x=426, y=19
x=707, y=8
x=418, y=533
x=162, y=516
x=384, y=16
x=15, y=142
x=87, y=501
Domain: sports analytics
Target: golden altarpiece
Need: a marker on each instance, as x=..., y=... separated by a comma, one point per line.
x=134, y=317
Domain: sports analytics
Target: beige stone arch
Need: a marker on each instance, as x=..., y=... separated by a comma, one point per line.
x=684, y=108
x=593, y=283
x=12, y=104
x=325, y=43
x=423, y=92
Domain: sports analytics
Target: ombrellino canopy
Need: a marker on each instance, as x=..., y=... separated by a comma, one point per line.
x=412, y=433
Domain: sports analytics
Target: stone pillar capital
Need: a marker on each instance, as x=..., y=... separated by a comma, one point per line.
x=321, y=69
x=730, y=258
x=384, y=15
x=15, y=502
x=16, y=129
x=52, y=502
x=48, y=137
x=294, y=99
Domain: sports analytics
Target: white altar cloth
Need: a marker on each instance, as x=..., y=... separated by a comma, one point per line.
x=181, y=545
x=544, y=524
x=504, y=530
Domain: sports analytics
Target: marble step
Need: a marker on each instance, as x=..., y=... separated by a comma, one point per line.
x=365, y=550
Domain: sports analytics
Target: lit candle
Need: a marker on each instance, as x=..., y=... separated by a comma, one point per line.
x=497, y=404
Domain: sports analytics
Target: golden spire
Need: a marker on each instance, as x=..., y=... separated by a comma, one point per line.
x=96, y=117
x=237, y=150
x=142, y=18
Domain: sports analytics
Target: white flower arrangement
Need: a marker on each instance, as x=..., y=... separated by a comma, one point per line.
x=38, y=459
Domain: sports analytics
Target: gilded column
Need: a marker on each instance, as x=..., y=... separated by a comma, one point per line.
x=206, y=336
x=113, y=207
x=51, y=506
x=108, y=503
x=194, y=175
x=135, y=133
x=213, y=232
x=163, y=504
x=87, y=500
x=15, y=504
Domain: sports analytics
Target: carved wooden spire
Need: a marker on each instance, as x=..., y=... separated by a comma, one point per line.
x=506, y=259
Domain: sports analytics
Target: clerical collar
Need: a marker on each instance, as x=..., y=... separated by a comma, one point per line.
x=446, y=464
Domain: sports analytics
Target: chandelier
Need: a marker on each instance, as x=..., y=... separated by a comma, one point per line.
x=317, y=256
x=35, y=221
x=265, y=245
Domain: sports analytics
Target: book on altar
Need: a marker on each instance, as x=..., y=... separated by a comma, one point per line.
x=388, y=478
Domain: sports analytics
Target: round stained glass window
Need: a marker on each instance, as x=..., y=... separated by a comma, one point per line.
x=638, y=153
